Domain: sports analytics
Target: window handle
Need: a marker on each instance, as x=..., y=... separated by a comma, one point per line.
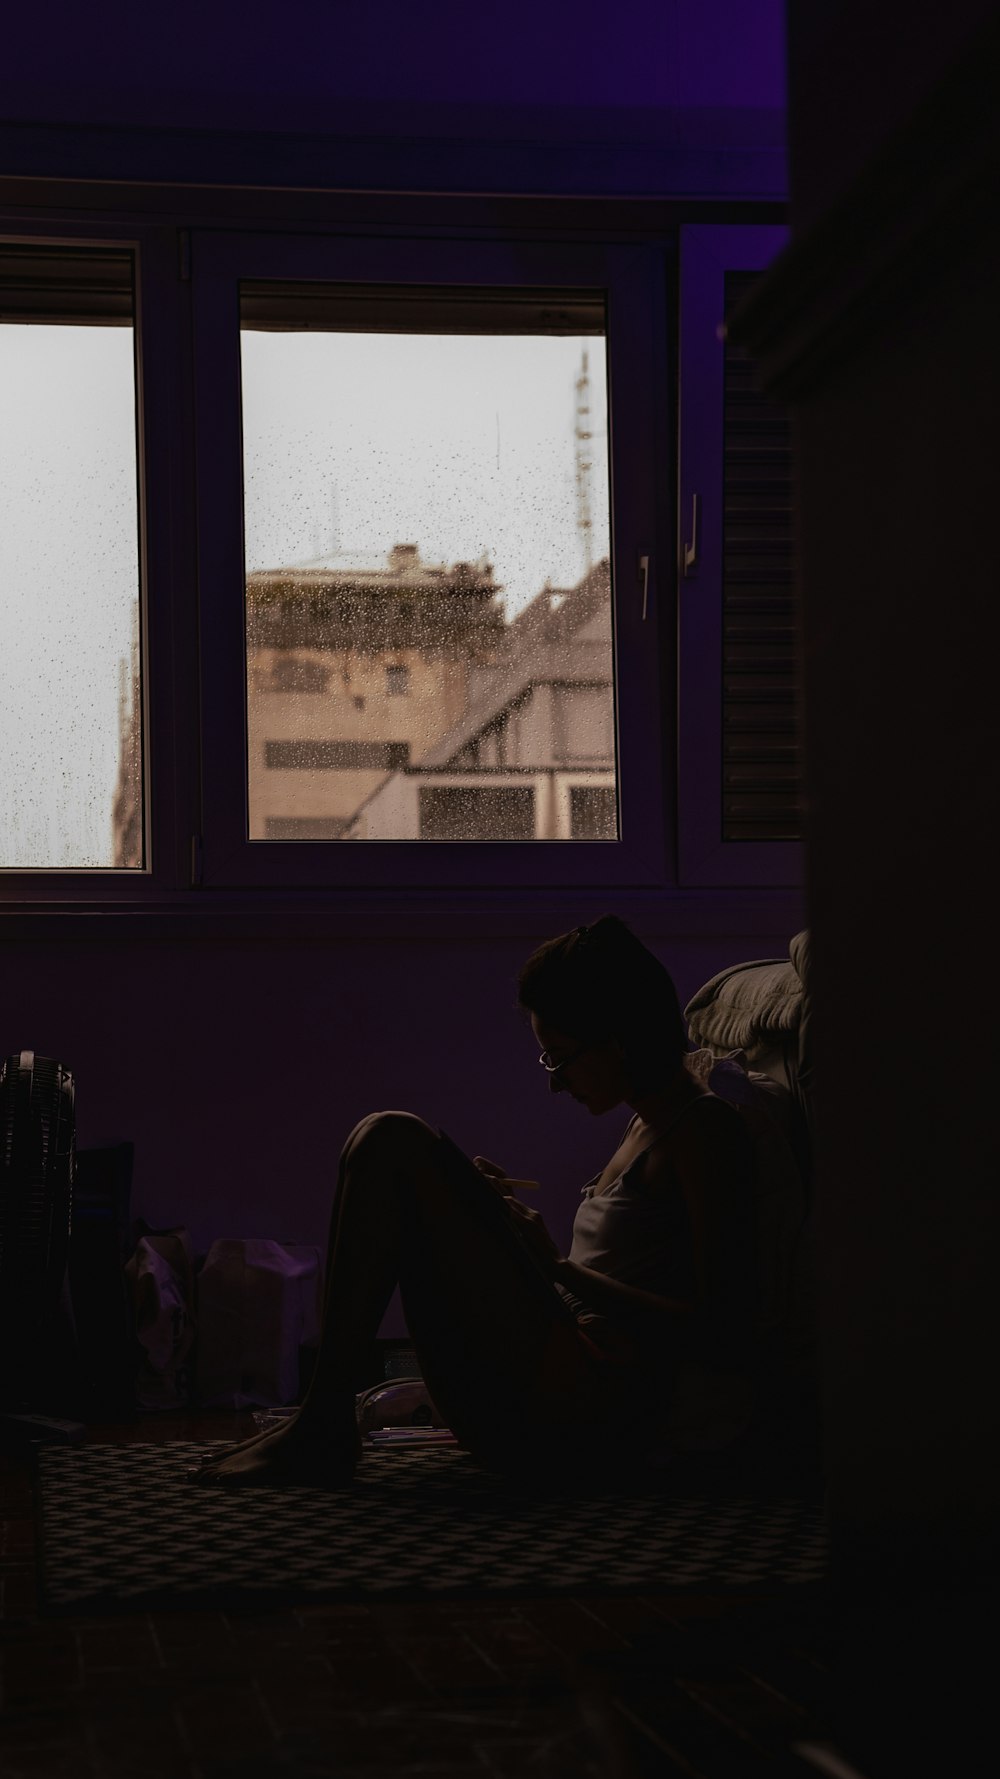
x=644, y=577
x=691, y=549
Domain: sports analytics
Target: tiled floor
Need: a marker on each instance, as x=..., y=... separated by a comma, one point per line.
x=614, y=1689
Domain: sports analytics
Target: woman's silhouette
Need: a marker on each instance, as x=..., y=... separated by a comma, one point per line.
x=639, y=1342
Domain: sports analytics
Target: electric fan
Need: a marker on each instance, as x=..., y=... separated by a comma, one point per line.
x=37, y=1167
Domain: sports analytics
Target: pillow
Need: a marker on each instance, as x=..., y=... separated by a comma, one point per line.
x=798, y=951
x=750, y=1007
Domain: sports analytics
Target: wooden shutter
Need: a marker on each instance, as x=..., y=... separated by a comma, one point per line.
x=761, y=751
x=75, y=285
x=738, y=804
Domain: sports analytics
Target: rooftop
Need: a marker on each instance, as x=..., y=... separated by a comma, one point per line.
x=401, y=565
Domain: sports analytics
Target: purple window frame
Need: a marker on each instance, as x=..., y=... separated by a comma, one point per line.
x=632, y=276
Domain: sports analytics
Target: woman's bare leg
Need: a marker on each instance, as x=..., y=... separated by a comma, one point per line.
x=403, y=1214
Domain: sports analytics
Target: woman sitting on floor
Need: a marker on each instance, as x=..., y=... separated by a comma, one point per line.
x=639, y=1344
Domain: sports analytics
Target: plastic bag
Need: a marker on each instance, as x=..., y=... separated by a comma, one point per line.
x=160, y=1276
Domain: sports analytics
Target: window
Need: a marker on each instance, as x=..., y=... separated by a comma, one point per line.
x=288, y=672
x=592, y=812
x=303, y=827
x=406, y=453
x=71, y=761
x=335, y=756
x=401, y=609
x=467, y=812
x=424, y=471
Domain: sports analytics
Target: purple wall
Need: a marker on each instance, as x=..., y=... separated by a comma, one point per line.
x=649, y=98
x=222, y=65
x=238, y=1068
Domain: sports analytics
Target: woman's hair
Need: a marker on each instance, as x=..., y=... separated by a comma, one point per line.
x=600, y=983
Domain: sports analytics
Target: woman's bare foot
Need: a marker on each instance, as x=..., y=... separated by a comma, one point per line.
x=240, y=1445
x=292, y=1452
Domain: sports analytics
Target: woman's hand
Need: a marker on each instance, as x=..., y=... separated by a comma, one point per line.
x=492, y=1172
x=501, y=1181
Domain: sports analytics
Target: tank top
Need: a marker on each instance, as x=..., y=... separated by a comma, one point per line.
x=643, y=1237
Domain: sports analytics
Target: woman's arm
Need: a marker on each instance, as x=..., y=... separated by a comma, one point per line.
x=593, y=1288
x=708, y=1158
x=611, y=1296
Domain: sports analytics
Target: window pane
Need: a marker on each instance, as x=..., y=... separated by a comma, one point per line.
x=429, y=638
x=70, y=764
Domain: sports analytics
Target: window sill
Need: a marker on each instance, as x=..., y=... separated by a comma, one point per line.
x=324, y=917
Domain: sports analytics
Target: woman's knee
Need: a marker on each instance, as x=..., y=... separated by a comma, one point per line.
x=392, y=1136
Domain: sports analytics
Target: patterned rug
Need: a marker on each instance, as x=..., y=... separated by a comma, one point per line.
x=122, y=1529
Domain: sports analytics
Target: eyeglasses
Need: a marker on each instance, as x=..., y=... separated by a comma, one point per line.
x=556, y=1068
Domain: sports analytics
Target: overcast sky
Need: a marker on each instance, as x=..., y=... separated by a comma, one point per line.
x=68, y=580
x=461, y=445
